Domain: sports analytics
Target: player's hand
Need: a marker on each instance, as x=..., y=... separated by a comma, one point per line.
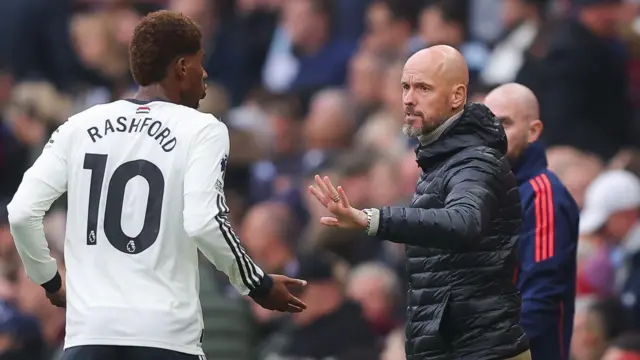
x=58, y=298
x=336, y=201
x=280, y=299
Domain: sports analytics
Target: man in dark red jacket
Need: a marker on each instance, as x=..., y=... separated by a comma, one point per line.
x=546, y=276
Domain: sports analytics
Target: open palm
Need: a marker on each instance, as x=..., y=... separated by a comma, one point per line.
x=336, y=201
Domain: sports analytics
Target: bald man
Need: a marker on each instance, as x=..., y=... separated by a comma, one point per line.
x=549, y=234
x=462, y=226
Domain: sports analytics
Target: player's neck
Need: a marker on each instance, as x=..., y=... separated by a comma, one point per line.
x=153, y=92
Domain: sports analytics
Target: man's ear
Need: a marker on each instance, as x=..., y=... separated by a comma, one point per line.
x=181, y=67
x=458, y=96
x=535, y=129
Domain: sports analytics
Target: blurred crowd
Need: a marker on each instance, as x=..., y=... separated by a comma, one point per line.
x=308, y=86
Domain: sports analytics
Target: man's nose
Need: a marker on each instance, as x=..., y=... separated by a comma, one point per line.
x=408, y=98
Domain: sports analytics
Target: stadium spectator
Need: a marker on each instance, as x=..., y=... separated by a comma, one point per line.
x=391, y=91
x=628, y=159
x=445, y=22
x=379, y=133
x=322, y=57
x=377, y=289
x=389, y=28
x=385, y=175
x=328, y=127
x=269, y=230
x=585, y=43
x=526, y=30
x=365, y=77
x=311, y=334
x=613, y=216
x=20, y=337
x=276, y=173
x=575, y=168
x=596, y=323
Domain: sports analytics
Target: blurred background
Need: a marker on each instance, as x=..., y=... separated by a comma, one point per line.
x=310, y=86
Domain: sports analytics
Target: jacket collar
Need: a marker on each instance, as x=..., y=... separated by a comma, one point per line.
x=531, y=163
x=477, y=126
x=435, y=134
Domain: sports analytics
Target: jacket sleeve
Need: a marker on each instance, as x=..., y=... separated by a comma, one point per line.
x=472, y=187
x=547, y=256
x=41, y=185
x=205, y=212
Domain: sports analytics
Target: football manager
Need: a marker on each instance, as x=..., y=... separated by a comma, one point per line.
x=462, y=227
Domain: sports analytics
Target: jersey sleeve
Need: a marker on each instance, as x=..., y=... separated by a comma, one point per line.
x=205, y=212
x=41, y=185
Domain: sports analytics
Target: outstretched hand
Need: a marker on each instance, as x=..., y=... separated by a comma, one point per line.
x=336, y=201
x=280, y=298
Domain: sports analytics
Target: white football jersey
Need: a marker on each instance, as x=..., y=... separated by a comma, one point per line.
x=145, y=192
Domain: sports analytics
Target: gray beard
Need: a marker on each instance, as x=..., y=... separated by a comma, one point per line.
x=412, y=132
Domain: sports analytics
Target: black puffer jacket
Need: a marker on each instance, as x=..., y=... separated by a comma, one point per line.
x=461, y=232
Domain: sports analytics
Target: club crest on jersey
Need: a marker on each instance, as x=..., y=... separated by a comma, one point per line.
x=131, y=246
x=143, y=110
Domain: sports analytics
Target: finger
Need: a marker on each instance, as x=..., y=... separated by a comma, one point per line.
x=293, y=309
x=297, y=302
x=322, y=186
x=343, y=197
x=329, y=221
x=318, y=195
x=332, y=190
x=294, y=282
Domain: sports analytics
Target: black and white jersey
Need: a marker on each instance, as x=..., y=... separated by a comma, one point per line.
x=145, y=191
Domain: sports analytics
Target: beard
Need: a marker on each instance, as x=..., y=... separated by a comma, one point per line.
x=410, y=131
x=425, y=128
x=519, y=146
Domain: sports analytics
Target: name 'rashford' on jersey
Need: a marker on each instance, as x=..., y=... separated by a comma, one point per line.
x=145, y=192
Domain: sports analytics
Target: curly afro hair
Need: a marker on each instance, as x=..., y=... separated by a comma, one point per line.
x=159, y=39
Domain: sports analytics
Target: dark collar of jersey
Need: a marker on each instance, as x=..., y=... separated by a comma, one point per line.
x=145, y=102
x=531, y=163
x=476, y=127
